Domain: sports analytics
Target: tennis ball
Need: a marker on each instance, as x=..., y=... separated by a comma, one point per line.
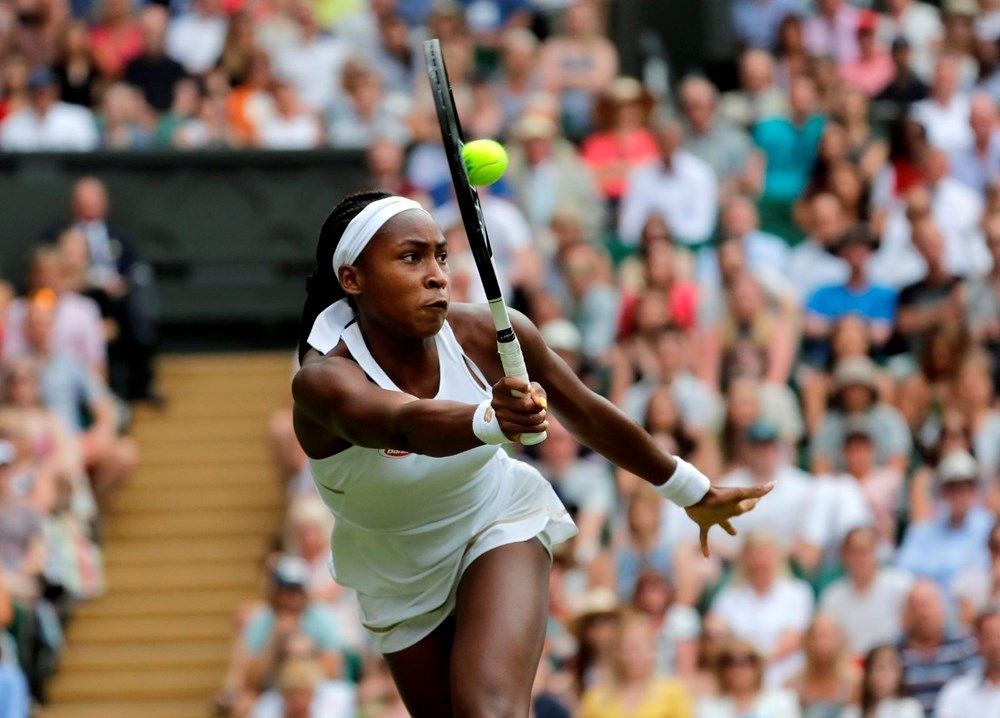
x=485, y=161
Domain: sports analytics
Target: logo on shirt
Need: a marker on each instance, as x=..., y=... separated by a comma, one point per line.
x=395, y=453
x=488, y=414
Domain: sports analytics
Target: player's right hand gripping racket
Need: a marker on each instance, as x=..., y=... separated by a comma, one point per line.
x=472, y=217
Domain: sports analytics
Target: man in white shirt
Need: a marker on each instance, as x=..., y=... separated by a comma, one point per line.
x=46, y=124
x=679, y=186
x=314, y=63
x=195, y=39
x=977, y=693
x=957, y=209
x=920, y=24
x=945, y=114
x=868, y=601
x=812, y=265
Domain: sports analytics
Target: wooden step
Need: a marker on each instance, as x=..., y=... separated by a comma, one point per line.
x=129, y=709
x=203, y=575
x=162, y=654
x=147, y=552
x=241, y=472
x=114, y=629
x=214, y=498
x=276, y=382
x=181, y=408
x=158, y=683
x=240, y=427
x=198, y=450
x=167, y=602
x=194, y=524
x=225, y=364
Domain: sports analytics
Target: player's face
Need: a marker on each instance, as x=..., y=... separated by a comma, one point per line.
x=402, y=279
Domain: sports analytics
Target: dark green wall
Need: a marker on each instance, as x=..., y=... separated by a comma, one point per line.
x=230, y=234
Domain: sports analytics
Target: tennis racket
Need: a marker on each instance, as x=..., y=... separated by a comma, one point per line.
x=472, y=217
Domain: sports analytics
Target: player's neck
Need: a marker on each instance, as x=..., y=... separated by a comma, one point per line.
x=409, y=361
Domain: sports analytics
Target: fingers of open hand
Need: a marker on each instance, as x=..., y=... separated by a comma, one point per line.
x=727, y=527
x=704, y=541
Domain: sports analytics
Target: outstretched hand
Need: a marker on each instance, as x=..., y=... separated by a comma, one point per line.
x=720, y=505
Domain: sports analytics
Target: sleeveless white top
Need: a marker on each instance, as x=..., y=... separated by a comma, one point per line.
x=408, y=524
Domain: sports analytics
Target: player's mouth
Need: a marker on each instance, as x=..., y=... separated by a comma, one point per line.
x=441, y=304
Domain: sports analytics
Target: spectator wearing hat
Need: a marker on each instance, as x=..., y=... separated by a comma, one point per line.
x=918, y=23
x=289, y=611
x=679, y=186
x=873, y=69
x=46, y=124
x=726, y=148
x=855, y=395
x=595, y=626
x=621, y=141
x=868, y=600
x=547, y=174
x=955, y=537
x=894, y=101
x=978, y=165
x=858, y=295
x=832, y=31
x=931, y=653
x=977, y=693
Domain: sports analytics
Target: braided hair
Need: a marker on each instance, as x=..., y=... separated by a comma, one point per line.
x=322, y=286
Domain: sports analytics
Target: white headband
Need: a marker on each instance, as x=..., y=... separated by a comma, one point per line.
x=365, y=225
x=331, y=322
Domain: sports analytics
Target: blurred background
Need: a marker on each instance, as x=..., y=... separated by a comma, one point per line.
x=768, y=230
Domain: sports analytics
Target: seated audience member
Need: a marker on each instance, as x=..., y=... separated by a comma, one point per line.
x=868, y=601
x=675, y=624
x=66, y=387
x=767, y=606
x=873, y=68
x=836, y=506
x=661, y=273
x=644, y=544
x=77, y=330
x=931, y=654
x=812, y=263
x=45, y=123
x=594, y=299
x=858, y=296
x=632, y=686
x=829, y=680
x=954, y=537
x=974, y=397
x=945, y=114
x=622, y=141
x=677, y=185
x=22, y=542
x=855, y=397
x=301, y=691
x=291, y=126
x=977, y=693
x=363, y=112
x=289, y=610
x=742, y=689
x=758, y=95
x=977, y=588
x=880, y=486
x=882, y=690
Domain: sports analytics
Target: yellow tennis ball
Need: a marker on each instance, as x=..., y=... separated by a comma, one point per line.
x=485, y=161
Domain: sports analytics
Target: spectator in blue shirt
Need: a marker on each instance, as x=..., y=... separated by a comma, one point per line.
x=756, y=22
x=873, y=303
x=955, y=538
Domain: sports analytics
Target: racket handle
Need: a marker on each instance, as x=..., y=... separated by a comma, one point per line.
x=513, y=365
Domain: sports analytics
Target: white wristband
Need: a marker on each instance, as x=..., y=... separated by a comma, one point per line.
x=687, y=486
x=485, y=425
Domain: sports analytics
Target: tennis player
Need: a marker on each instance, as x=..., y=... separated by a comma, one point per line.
x=402, y=407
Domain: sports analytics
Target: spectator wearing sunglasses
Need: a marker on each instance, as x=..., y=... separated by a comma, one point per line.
x=740, y=673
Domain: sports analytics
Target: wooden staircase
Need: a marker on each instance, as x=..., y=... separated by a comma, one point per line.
x=183, y=542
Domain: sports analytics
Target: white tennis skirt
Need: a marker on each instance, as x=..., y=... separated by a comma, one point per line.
x=523, y=507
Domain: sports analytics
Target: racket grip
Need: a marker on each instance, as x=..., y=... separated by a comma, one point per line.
x=513, y=365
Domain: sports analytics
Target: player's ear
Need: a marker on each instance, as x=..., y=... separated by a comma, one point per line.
x=349, y=280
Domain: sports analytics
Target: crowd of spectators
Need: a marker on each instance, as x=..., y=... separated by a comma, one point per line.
x=63, y=437
x=795, y=278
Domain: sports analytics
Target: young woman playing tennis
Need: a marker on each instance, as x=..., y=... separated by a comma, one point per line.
x=444, y=537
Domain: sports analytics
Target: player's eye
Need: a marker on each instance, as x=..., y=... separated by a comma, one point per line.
x=442, y=257
x=409, y=257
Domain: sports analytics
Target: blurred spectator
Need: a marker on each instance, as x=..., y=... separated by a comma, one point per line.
x=873, y=69
x=945, y=114
x=756, y=22
x=644, y=544
x=621, y=141
x=519, y=77
x=758, y=96
x=594, y=300
x=46, y=123
x=882, y=691
x=977, y=693
x=679, y=186
x=881, y=487
x=291, y=126
x=812, y=263
x=978, y=588
x=831, y=32
x=312, y=64
x=727, y=149
x=75, y=66
x=829, y=681
x=855, y=396
x=548, y=175
x=116, y=39
x=363, y=112
x=893, y=103
x=675, y=624
x=195, y=38
x=957, y=209
x=742, y=691
x=633, y=688
x=577, y=64
x=868, y=601
x=954, y=538
x=978, y=164
x=919, y=24
x=152, y=71
x=767, y=606
x=301, y=692
x=931, y=654
x=123, y=122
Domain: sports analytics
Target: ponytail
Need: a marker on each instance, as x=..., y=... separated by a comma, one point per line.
x=322, y=286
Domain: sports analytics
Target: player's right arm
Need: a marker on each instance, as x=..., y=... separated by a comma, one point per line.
x=335, y=394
